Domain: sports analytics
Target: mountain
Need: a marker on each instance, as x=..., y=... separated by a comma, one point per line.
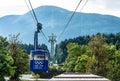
x=53, y=20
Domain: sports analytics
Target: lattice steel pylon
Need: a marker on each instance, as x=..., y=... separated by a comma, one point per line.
x=52, y=40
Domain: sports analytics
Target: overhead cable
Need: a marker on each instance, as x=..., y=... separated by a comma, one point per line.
x=34, y=16
x=83, y=5
x=70, y=19
x=44, y=35
x=33, y=12
x=30, y=12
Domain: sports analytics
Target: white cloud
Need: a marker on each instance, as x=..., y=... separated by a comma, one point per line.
x=19, y=6
x=93, y=6
x=109, y=7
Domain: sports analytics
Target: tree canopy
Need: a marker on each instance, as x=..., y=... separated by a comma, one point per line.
x=21, y=59
x=5, y=60
x=97, y=57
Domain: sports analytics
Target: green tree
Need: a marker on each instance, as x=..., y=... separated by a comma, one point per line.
x=43, y=46
x=77, y=58
x=99, y=55
x=59, y=56
x=113, y=64
x=81, y=64
x=73, y=53
x=61, y=52
x=21, y=59
x=5, y=60
x=27, y=47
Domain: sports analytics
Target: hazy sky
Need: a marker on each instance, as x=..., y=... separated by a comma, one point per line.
x=111, y=7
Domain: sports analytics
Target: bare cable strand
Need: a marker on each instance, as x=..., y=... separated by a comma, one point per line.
x=70, y=19
x=33, y=12
x=83, y=5
x=30, y=12
x=44, y=35
x=34, y=16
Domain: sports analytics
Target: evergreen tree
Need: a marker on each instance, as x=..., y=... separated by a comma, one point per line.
x=27, y=47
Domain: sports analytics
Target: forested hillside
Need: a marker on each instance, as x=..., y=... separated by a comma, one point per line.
x=61, y=48
x=98, y=54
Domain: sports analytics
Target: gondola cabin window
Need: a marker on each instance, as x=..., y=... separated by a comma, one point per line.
x=39, y=57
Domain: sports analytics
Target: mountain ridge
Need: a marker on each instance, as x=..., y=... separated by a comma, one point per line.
x=54, y=20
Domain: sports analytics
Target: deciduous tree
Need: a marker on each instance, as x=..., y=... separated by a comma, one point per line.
x=99, y=55
x=21, y=59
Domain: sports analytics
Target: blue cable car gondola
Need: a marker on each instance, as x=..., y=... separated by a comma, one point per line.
x=38, y=57
x=39, y=61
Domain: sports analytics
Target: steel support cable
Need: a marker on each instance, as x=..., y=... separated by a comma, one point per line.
x=33, y=12
x=83, y=5
x=44, y=35
x=30, y=12
x=70, y=19
x=35, y=17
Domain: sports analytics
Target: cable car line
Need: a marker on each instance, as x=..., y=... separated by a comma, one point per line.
x=36, y=20
x=33, y=11
x=44, y=35
x=83, y=5
x=30, y=12
x=70, y=19
x=34, y=16
x=39, y=57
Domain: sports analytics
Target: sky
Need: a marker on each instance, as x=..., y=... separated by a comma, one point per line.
x=18, y=7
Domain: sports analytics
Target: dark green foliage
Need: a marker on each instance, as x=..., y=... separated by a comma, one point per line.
x=5, y=60
x=2, y=78
x=100, y=56
x=14, y=60
x=113, y=64
x=29, y=47
x=43, y=46
x=61, y=54
x=61, y=49
x=77, y=58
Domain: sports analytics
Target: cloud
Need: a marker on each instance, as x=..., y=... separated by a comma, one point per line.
x=93, y=6
x=110, y=7
x=112, y=4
